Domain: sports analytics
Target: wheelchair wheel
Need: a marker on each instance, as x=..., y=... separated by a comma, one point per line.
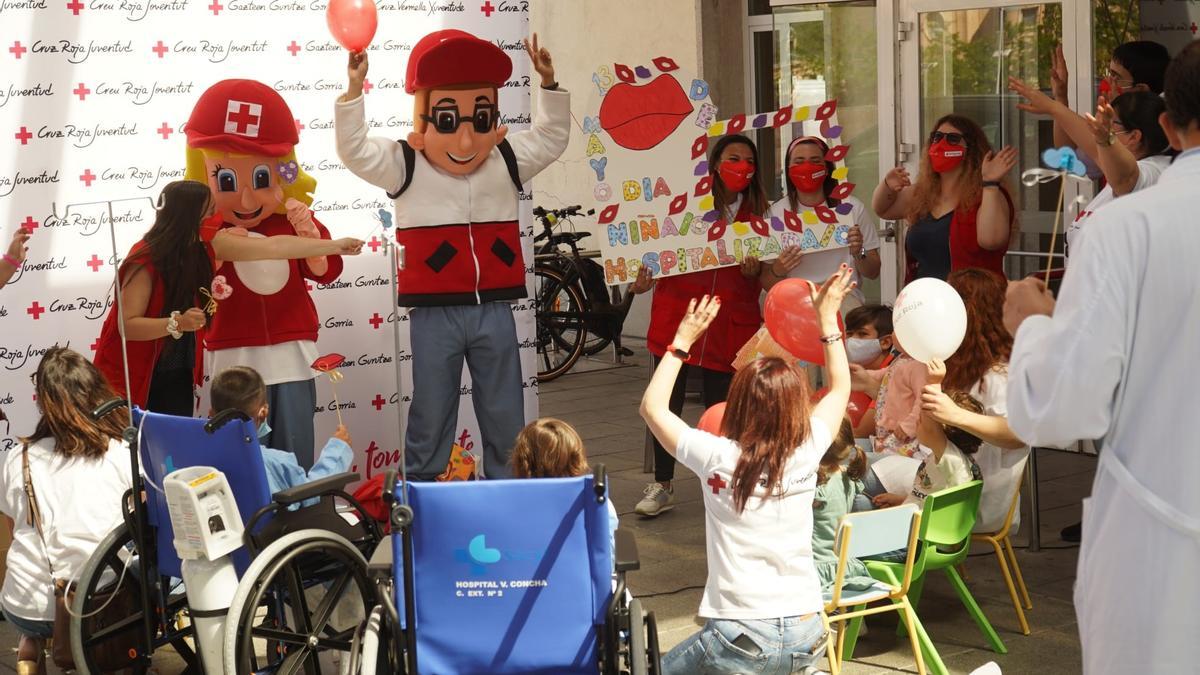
x=637, y=639
x=295, y=596
x=105, y=623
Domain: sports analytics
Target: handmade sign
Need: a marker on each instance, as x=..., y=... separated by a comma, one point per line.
x=648, y=145
x=328, y=364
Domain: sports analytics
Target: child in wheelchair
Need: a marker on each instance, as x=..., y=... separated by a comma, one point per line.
x=551, y=448
x=242, y=388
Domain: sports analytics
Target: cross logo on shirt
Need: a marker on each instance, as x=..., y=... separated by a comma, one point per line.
x=717, y=483
x=242, y=118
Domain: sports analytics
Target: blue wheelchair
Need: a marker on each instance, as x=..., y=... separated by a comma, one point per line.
x=505, y=576
x=304, y=587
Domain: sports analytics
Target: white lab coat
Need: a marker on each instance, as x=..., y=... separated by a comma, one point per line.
x=1118, y=362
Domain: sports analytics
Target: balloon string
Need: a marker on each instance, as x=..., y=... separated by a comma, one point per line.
x=1062, y=191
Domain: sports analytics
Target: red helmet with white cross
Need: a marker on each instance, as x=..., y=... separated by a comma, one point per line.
x=243, y=116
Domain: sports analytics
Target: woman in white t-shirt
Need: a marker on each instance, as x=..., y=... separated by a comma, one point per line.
x=762, y=598
x=980, y=368
x=809, y=181
x=80, y=470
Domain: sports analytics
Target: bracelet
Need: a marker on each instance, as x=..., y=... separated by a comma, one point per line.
x=11, y=260
x=553, y=86
x=173, y=326
x=831, y=338
x=991, y=183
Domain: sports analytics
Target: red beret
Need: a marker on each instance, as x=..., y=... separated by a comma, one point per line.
x=451, y=57
x=242, y=116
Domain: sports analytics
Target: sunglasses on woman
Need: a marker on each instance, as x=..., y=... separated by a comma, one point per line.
x=446, y=120
x=952, y=137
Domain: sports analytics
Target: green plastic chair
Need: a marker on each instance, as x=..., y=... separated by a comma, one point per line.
x=945, y=541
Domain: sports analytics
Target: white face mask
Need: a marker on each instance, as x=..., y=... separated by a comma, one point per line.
x=862, y=350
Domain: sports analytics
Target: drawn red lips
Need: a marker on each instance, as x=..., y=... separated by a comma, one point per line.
x=641, y=117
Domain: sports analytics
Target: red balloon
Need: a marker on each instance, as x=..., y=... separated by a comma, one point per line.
x=858, y=407
x=352, y=22
x=710, y=421
x=792, y=320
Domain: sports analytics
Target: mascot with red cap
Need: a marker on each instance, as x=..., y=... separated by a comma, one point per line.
x=241, y=140
x=455, y=182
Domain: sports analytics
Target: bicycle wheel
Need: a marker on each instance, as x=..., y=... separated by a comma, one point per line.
x=560, y=325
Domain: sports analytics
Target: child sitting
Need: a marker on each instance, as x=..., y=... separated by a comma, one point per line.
x=948, y=460
x=837, y=489
x=242, y=388
x=551, y=448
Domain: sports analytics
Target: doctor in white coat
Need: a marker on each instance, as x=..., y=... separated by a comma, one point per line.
x=1115, y=360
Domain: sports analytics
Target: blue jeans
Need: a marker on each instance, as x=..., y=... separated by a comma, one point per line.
x=788, y=645
x=31, y=627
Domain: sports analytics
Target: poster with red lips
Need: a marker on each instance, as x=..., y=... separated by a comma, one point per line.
x=647, y=145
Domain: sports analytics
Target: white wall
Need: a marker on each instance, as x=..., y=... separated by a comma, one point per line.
x=582, y=35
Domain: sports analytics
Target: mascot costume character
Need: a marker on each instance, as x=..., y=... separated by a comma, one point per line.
x=455, y=182
x=241, y=140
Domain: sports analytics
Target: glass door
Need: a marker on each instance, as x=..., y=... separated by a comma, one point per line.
x=958, y=56
x=828, y=51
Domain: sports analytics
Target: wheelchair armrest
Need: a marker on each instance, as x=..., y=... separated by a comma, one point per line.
x=334, y=483
x=627, y=553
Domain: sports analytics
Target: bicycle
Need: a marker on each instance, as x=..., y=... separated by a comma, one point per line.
x=575, y=314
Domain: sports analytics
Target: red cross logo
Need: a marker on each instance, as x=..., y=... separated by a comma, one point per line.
x=367, y=86
x=81, y=91
x=35, y=310
x=87, y=177
x=378, y=402
x=75, y=6
x=96, y=344
x=717, y=483
x=95, y=263
x=1193, y=29
x=487, y=8
x=30, y=224
x=374, y=244
x=165, y=130
x=216, y=7
x=293, y=48
x=160, y=49
x=17, y=49
x=375, y=320
x=242, y=118
x=23, y=135
x=299, y=125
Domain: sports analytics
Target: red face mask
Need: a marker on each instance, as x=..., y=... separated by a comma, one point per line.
x=1109, y=90
x=807, y=177
x=945, y=157
x=736, y=175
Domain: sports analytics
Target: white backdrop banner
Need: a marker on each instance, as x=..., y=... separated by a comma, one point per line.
x=93, y=98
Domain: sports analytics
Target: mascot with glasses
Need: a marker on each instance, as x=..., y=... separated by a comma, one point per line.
x=455, y=182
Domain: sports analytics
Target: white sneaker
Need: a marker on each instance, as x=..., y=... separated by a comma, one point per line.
x=657, y=500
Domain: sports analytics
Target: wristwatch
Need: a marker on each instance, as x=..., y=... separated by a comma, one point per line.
x=679, y=353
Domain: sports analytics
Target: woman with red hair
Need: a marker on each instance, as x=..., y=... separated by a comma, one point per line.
x=980, y=368
x=763, y=595
x=960, y=213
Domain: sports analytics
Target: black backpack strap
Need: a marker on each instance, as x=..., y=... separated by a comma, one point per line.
x=510, y=160
x=410, y=157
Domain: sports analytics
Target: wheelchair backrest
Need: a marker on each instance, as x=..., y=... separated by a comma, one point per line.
x=168, y=443
x=510, y=576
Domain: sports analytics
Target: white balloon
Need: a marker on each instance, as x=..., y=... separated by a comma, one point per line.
x=929, y=319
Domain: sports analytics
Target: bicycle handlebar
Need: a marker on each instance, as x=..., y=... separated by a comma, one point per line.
x=565, y=212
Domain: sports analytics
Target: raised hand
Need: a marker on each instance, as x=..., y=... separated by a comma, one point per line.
x=699, y=315
x=540, y=58
x=1058, y=75
x=1035, y=101
x=343, y=434
x=17, y=248
x=897, y=179
x=1101, y=123
x=356, y=71
x=828, y=300
x=996, y=165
